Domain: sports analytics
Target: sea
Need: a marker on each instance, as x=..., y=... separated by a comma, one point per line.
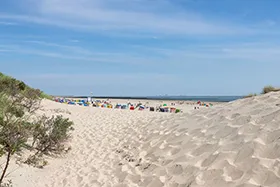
x=181, y=98
x=204, y=98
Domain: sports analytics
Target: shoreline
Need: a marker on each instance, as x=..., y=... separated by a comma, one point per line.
x=178, y=104
x=222, y=99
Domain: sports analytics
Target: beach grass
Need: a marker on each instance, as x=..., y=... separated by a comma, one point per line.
x=265, y=90
x=250, y=95
x=269, y=88
x=7, y=82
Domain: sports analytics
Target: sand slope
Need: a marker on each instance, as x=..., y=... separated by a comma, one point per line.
x=234, y=145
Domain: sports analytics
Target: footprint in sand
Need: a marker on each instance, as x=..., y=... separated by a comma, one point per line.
x=176, y=169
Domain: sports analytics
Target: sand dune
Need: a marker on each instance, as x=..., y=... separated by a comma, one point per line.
x=231, y=145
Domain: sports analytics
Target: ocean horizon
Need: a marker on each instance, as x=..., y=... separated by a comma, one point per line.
x=181, y=98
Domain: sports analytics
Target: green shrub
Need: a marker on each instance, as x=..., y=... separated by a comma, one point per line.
x=45, y=96
x=50, y=134
x=12, y=86
x=18, y=102
x=250, y=95
x=14, y=130
x=268, y=89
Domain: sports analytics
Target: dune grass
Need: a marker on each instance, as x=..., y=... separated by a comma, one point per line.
x=7, y=82
x=265, y=90
x=268, y=89
x=250, y=95
x=20, y=131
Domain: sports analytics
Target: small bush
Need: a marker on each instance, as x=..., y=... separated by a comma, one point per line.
x=12, y=86
x=18, y=102
x=14, y=130
x=250, y=95
x=268, y=89
x=45, y=96
x=50, y=134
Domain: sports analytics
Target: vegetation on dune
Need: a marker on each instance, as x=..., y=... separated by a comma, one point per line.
x=250, y=95
x=268, y=89
x=45, y=96
x=21, y=131
x=265, y=90
x=49, y=138
x=10, y=82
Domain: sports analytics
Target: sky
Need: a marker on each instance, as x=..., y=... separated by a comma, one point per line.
x=141, y=47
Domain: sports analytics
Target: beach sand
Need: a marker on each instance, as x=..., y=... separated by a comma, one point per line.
x=234, y=144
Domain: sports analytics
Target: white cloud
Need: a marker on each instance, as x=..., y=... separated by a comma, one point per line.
x=75, y=41
x=259, y=52
x=100, y=76
x=74, y=49
x=152, y=56
x=5, y=50
x=120, y=15
x=103, y=83
x=8, y=23
x=75, y=55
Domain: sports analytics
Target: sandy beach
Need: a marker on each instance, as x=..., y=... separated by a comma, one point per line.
x=233, y=144
x=182, y=105
x=139, y=93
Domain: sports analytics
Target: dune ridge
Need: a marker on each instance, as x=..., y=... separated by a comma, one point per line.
x=234, y=145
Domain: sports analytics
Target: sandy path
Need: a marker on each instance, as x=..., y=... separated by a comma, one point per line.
x=97, y=141
x=93, y=159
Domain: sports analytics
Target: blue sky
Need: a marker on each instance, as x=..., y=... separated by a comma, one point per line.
x=141, y=47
